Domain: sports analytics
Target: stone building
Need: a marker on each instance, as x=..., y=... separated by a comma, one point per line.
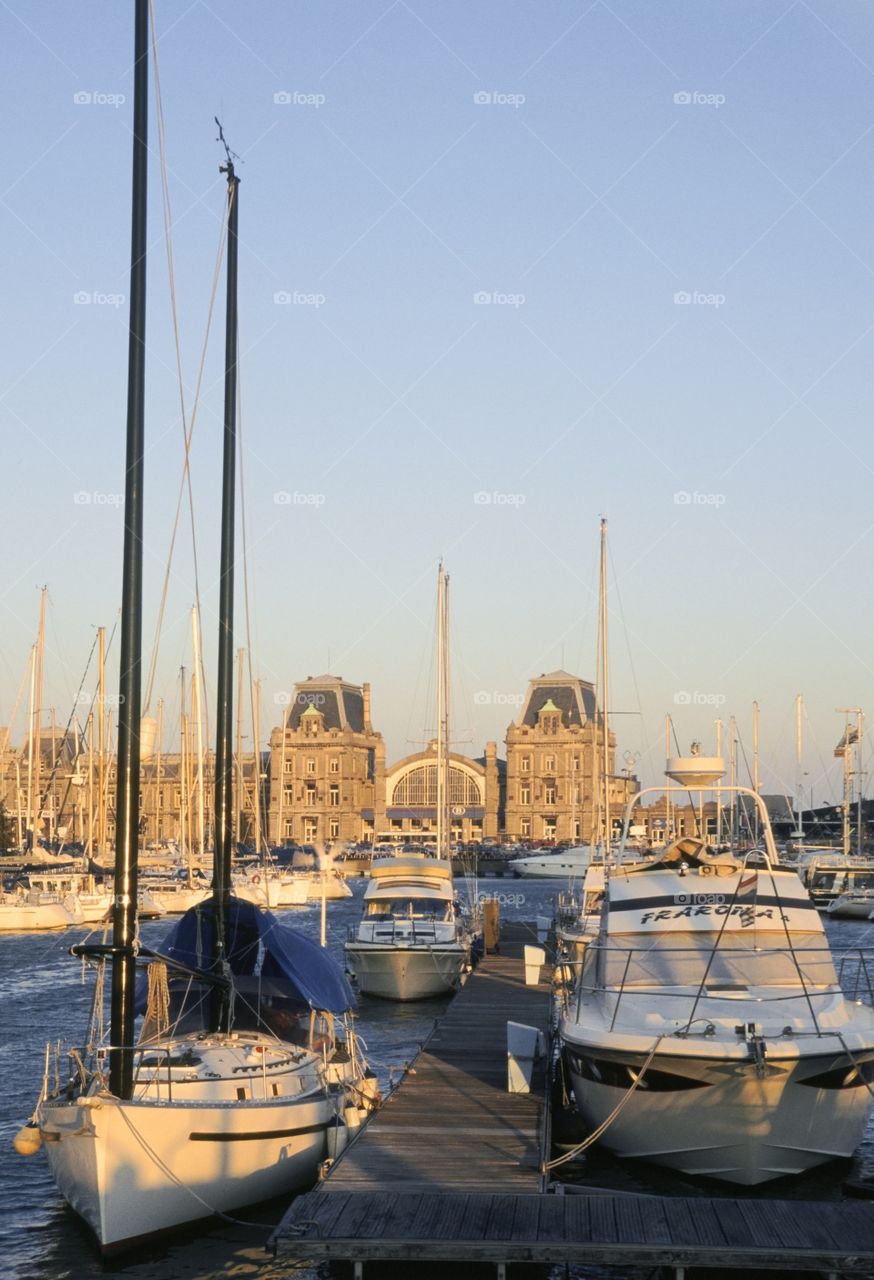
x=555, y=763
x=327, y=766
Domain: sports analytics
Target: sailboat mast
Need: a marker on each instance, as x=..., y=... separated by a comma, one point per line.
x=799, y=797
x=29, y=818
x=201, y=824
x=223, y=813
x=36, y=813
x=608, y=824
x=128, y=783
x=447, y=797
x=101, y=739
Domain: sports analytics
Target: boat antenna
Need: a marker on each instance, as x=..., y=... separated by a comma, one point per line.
x=124, y=911
x=230, y=156
x=224, y=748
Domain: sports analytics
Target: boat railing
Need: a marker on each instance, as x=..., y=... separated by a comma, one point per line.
x=797, y=974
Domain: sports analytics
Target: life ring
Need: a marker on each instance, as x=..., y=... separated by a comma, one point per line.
x=256, y=879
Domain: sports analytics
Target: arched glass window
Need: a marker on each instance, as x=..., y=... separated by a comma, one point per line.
x=418, y=788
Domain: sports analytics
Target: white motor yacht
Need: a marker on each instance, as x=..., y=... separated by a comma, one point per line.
x=709, y=1007
x=411, y=942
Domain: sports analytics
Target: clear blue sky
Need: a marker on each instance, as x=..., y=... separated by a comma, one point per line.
x=627, y=153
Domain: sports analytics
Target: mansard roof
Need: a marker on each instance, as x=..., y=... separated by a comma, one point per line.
x=559, y=691
x=341, y=703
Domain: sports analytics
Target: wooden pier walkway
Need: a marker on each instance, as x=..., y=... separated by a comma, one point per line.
x=448, y=1171
x=451, y=1124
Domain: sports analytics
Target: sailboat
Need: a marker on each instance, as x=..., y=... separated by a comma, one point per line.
x=240, y=1068
x=411, y=942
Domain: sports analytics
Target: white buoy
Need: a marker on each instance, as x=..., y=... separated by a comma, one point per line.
x=28, y=1140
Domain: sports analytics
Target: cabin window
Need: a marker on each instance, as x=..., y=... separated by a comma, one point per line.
x=241, y=1093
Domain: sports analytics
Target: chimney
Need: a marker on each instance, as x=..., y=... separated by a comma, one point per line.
x=365, y=692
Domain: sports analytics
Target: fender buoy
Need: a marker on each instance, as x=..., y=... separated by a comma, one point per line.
x=256, y=879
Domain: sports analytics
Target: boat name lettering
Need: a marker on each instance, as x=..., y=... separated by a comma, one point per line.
x=746, y=915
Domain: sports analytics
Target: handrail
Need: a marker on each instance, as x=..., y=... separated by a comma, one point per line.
x=861, y=977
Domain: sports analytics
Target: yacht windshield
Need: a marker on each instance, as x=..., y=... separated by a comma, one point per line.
x=409, y=909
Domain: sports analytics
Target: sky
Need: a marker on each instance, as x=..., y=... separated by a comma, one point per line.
x=504, y=270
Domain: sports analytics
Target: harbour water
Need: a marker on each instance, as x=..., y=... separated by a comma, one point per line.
x=43, y=995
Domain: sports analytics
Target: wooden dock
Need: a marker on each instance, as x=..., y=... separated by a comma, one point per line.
x=451, y=1124
x=792, y=1237
x=448, y=1171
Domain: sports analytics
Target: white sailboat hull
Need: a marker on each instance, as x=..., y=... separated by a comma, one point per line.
x=399, y=972
x=134, y=1168
x=25, y=917
x=736, y=1125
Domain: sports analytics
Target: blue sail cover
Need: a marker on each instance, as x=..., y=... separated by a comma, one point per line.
x=290, y=965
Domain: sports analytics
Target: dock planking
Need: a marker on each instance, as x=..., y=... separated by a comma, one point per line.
x=451, y=1124
x=600, y=1230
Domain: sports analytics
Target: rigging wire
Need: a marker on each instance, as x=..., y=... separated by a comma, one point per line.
x=188, y=424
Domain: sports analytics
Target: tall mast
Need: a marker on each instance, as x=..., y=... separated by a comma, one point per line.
x=718, y=787
x=30, y=737
x=799, y=797
x=201, y=824
x=224, y=753
x=184, y=833
x=158, y=795
x=756, y=767
x=442, y=719
x=128, y=780
x=608, y=833
x=238, y=791
x=101, y=739
x=36, y=813
x=447, y=797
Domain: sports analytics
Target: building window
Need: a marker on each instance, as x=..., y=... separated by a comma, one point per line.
x=524, y=764
x=549, y=796
x=334, y=796
x=310, y=795
x=525, y=827
x=289, y=766
x=334, y=828
x=334, y=764
x=549, y=828
x=288, y=795
x=311, y=764
x=549, y=764
x=525, y=794
x=310, y=829
x=418, y=788
x=575, y=764
x=289, y=828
